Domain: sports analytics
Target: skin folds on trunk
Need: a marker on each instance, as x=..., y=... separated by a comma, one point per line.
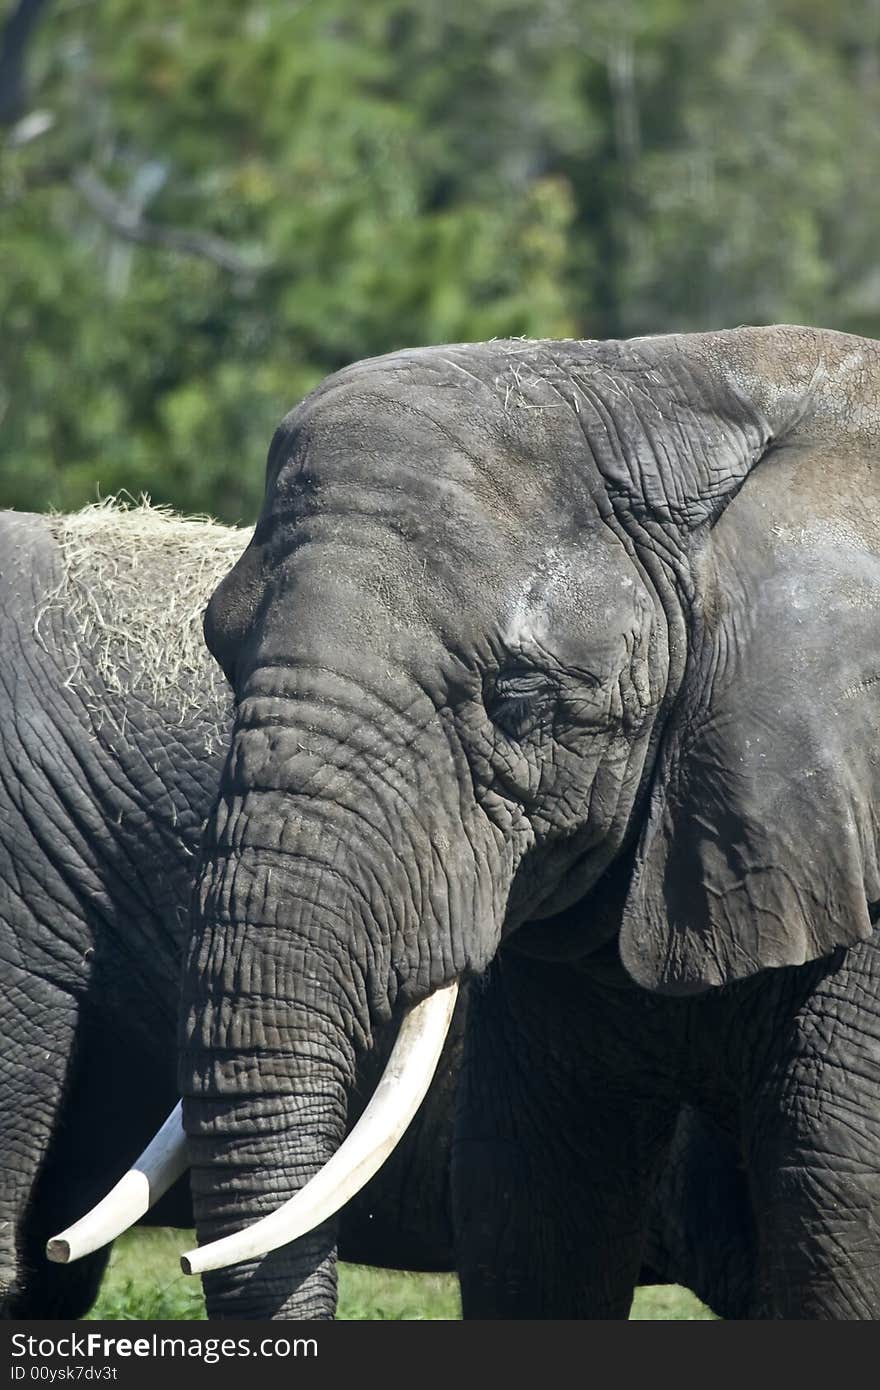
x=266, y=1065
x=289, y=973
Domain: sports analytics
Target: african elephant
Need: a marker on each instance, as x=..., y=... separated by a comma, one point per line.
x=113, y=725
x=555, y=670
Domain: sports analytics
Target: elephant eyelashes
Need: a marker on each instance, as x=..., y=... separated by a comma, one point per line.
x=516, y=702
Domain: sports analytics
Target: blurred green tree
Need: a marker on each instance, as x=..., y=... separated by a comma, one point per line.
x=205, y=207
x=232, y=201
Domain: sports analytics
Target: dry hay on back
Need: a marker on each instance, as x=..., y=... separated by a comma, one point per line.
x=135, y=584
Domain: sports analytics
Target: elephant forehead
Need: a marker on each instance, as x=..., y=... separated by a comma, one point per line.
x=371, y=587
x=368, y=592
x=422, y=440
x=420, y=491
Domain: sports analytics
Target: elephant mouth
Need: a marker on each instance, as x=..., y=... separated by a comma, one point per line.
x=401, y=1090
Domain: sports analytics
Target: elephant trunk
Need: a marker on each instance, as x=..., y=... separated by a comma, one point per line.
x=266, y=1065
x=276, y=1006
x=303, y=941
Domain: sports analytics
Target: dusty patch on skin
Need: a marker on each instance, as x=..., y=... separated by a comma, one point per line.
x=136, y=581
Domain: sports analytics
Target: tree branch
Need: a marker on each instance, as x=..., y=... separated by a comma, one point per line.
x=14, y=40
x=128, y=223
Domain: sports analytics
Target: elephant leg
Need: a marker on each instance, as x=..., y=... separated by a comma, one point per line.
x=701, y=1228
x=818, y=1226
x=73, y=1175
x=37, y=1024
x=554, y=1163
x=56, y=1291
x=115, y=1097
x=44, y=1289
x=819, y=1245
x=814, y=1157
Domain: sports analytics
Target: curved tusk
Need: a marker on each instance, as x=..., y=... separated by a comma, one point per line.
x=161, y=1164
x=400, y=1092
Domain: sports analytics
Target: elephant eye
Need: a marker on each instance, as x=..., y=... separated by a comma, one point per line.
x=517, y=700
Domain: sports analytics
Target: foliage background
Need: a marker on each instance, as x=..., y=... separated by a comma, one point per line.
x=207, y=205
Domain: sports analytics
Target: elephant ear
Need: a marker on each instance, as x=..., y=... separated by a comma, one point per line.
x=761, y=844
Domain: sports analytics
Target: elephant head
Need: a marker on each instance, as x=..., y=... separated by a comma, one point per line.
x=511, y=609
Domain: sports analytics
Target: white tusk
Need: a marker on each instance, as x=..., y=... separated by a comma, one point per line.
x=160, y=1165
x=400, y=1092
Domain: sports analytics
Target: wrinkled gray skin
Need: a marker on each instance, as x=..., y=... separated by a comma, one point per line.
x=111, y=725
x=113, y=721
x=555, y=667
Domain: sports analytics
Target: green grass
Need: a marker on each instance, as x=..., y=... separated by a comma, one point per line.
x=144, y=1281
x=388, y=1294
x=668, y=1303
